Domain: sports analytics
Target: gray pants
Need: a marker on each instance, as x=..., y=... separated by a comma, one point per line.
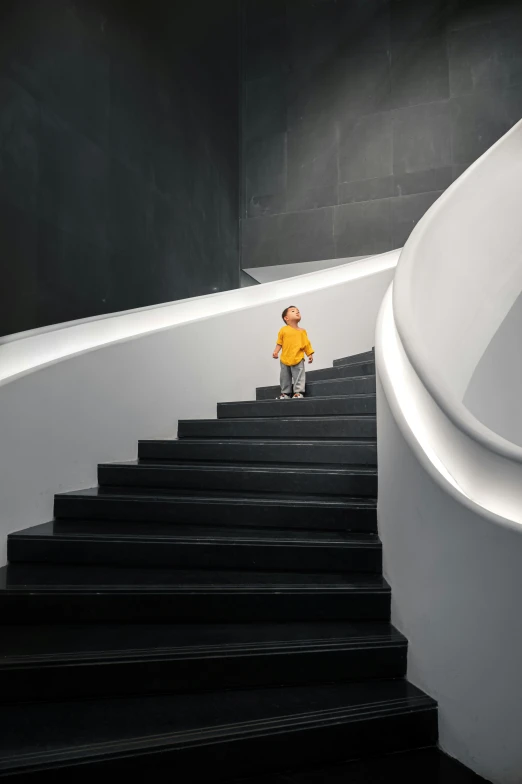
x=295, y=374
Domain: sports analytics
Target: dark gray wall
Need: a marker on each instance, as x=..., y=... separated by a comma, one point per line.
x=359, y=113
x=118, y=155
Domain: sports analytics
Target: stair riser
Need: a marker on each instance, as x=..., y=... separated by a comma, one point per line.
x=246, y=452
x=150, y=607
x=356, y=427
x=311, y=744
x=342, y=371
x=237, y=481
x=366, y=356
x=197, y=556
x=310, y=517
x=206, y=673
x=342, y=386
x=305, y=407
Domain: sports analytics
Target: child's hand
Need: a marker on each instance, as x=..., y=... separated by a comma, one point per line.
x=310, y=359
x=275, y=354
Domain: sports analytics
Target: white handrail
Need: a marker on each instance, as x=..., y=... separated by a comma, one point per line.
x=26, y=352
x=458, y=276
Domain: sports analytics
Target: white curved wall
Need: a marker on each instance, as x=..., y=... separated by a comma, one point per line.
x=494, y=394
x=453, y=564
x=79, y=395
x=461, y=271
x=450, y=476
x=456, y=581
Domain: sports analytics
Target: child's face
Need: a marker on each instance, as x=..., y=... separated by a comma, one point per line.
x=293, y=315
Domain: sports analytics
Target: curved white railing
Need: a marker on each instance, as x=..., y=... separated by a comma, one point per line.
x=458, y=276
x=25, y=352
x=450, y=488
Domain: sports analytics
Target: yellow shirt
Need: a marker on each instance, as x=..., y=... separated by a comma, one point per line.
x=295, y=345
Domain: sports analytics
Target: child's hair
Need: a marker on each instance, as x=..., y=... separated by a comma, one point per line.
x=285, y=311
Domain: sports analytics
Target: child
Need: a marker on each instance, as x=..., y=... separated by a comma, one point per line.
x=295, y=344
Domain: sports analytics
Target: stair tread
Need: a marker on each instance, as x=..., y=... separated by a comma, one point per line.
x=73, y=731
x=348, y=370
x=306, y=441
x=27, y=645
x=255, y=468
x=60, y=577
x=333, y=381
x=154, y=532
x=424, y=766
x=314, y=405
x=243, y=497
x=368, y=356
x=306, y=420
x=349, y=363
x=291, y=401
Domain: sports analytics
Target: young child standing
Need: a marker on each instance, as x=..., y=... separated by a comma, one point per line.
x=295, y=344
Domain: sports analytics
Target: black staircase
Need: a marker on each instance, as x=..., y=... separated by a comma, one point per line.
x=217, y=610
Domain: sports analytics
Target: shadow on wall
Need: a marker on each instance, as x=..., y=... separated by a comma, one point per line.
x=494, y=394
x=358, y=114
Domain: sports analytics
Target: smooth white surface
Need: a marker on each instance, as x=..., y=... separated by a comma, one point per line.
x=456, y=583
x=459, y=275
x=280, y=271
x=490, y=483
x=25, y=353
x=77, y=396
x=450, y=488
x=454, y=566
x=494, y=394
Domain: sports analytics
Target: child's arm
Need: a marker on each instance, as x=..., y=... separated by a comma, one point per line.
x=309, y=350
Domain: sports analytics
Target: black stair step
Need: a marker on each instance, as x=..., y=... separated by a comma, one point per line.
x=333, y=387
x=342, y=371
x=229, y=733
x=313, y=406
x=366, y=356
x=148, y=544
x=424, y=766
x=60, y=662
x=281, y=427
x=345, y=452
x=319, y=513
x=78, y=594
x=320, y=480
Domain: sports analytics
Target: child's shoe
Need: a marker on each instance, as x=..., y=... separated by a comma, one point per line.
x=283, y=396
x=298, y=394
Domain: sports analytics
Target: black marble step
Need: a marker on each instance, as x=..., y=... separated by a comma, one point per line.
x=40, y=593
x=59, y=661
x=365, y=356
x=424, y=766
x=281, y=427
x=341, y=371
x=345, y=452
x=310, y=513
x=303, y=407
x=333, y=387
x=149, y=544
x=238, y=477
x=213, y=736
